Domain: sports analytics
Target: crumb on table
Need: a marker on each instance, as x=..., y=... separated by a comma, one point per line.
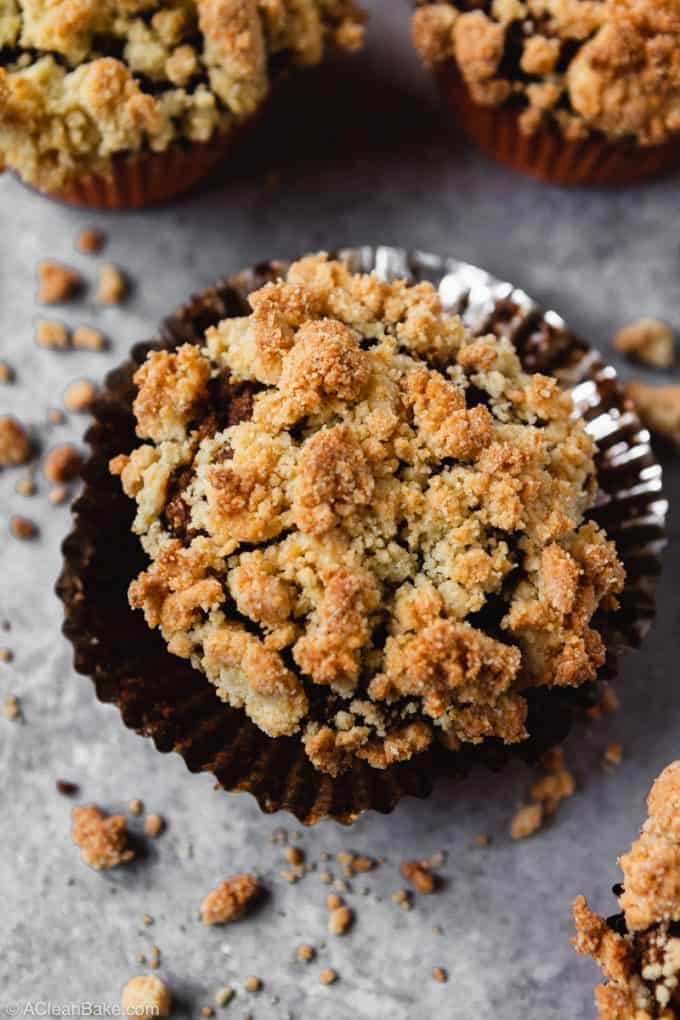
x=79, y=395
x=57, y=282
x=648, y=340
x=526, y=821
x=63, y=464
x=87, y=338
x=658, y=407
x=102, y=838
x=52, y=334
x=15, y=446
x=230, y=900
x=112, y=284
x=419, y=874
x=153, y=825
x=23, y=528
x=90, y=240
x=146, y=996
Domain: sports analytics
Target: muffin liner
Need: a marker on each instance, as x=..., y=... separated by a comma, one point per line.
x=162, y=696
x=547, y=154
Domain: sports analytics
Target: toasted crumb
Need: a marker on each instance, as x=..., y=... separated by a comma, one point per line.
x=339, y=920
x=15, y=446
x=439, y=974
x=607, y=704
x=102, y=838
x=135, y=807
x=147, y=920
x=403, y=898
x=58, y=495
x=79, y=395
x=294, y=856
x=527, y=821
x=6, y=373
x=326, y=877
x=6, y=655
x=328, y=976
x=230, y=900
x=223, y=996
x=26, y=486
x=648, y=340
x=57, y=283
x=306, y=953
x=556, y=785
x=90, y=240
x=23, y=528
x=333, y=901
x=658, y=407
x=87, y=338
x=419, y=875
x=612, y=757
x=51, y=333
x=55, y=416
x=354, y=864
x=252, y=984
x=145, y=996
x=155, y=960
x=207, y=1011
x=67, y=788
x=112, y=284
x=62, y=464
x=153, y=825
x=12, y=708
x=483, y=839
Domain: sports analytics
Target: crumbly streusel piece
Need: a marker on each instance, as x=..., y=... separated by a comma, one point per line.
x=639, y=951
x=338, y=489
x=230, y=900
x=102, y=839
x=610, y=65
x=15, y=446
x=658, y=407
x=650, y=341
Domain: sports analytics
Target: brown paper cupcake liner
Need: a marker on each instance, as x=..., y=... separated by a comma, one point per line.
x=547, y=154
x=161, y=696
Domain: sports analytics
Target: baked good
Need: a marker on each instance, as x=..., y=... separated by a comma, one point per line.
x=639, y=948
x=118, y=104
x=575, y=92
x=365, y=526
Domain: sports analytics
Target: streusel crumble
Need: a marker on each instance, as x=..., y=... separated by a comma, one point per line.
x=84, y=80
x=639, y=949
x=366, y=526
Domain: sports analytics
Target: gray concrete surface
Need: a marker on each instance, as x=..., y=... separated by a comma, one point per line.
x=365, y=154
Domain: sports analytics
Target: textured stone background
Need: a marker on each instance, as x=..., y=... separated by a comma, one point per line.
x=366, y=155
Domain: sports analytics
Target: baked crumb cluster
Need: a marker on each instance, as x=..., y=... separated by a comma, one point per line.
x=639, y=950
x=609, y=65
x=366, y=525
x=83, y=80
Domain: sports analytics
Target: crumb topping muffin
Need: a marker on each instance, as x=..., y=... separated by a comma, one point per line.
x=83, y=80
x=366, y=526
x=608, y=65
x=639, y=949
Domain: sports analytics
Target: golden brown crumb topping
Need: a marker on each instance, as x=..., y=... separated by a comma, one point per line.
x=639, y=952
x=650, y=341
x=230, y=900
x=609, y=65
x=365, y=524
x=102, y=839
x=15, y=446
x=145, y=996
x=658, y=407
x=84, y=80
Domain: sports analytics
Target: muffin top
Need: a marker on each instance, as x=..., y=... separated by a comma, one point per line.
x=366, y=525
x=608, y=65
x=639, y=950
x=82, y=80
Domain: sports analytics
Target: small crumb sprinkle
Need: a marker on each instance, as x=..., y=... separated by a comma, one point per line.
x=135, y=807
x=79, y=395
x=326, y=877
x=252, y=984
x=306, y=953
x=155, y=960
x=223, y=996
x=290, y=876
x=102, y=838
x=207, y=1011
x=62, y=464
x=418, y=873
x=145, y=996
x=294, y=856
x=6, y=655
x=153, y=825
x=440, y=975
x=52, y=334
x=339, y=920
x=147, y=920
x=340, y=885
x=90, y=240
x=26, y=486
x=58, y=495
x=328, y=976
x=647, y=340
x=66, y=788
x=12, y=708
x=437, y=930
x=402, y=898
x=141, y=958
x=612, y=757
x=230, y=900
x=112, y=284
x=6, y=373
x=15, y=446
x=607, y=704
x=57, y=282
x=87, y=338
x=483, y=839
x=55, y=416
x=24, y=529
x=527, y=821
x=333, y=902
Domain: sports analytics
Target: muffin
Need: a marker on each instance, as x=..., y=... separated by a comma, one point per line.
x=577, y=92
x=639, y=948
x=117, y=105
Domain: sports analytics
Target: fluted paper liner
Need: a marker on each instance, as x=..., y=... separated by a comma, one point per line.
x=163, y=697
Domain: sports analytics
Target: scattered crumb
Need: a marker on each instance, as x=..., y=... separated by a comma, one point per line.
x=153, y=825
x=607, y=704
x=306, y=953
x=612, y=757
x=403, y=898
x=155, y=960
x=22, y=528
x=135, y=807
x=62, y=464
x=6, y=373
x=26, y=486
x=557, y=785
x=354, y=864
x=223, y=996
x=483, y=839
x=339, y=920
x=57, y=283
x=207, y=1011
x=230, y=900
x=648, y=340
x=15, y=446
x=252, y=984
x=340, y=885
x=439, y=974
x=58, y=495
x=328, y=976
x=147, y=920
x=51, y=333
x=87, y=338
x=90, y=240
x=326, y=877
x=12, y=708
x=6, y=655
x=102, y=839
x=79, y=395
x=294, y=856
x=55, y=416
x=418, y=873
x=145, y=996
x=526, y=821
x=66, y=788
x=112, y=284
x=658, y=407
x=333, y=901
